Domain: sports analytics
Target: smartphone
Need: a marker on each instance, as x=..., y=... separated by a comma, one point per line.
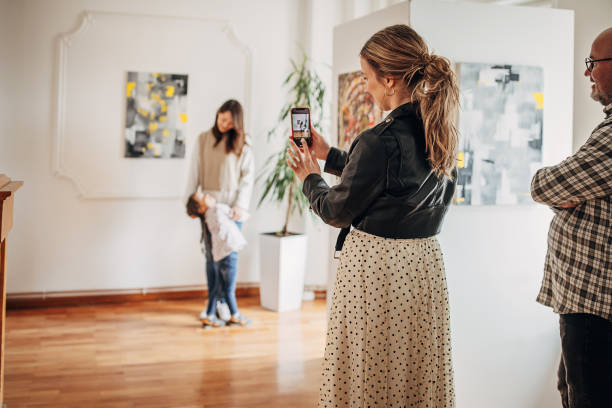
x=300, y=126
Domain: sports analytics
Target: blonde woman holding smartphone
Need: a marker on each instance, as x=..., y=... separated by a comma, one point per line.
x=388, y=338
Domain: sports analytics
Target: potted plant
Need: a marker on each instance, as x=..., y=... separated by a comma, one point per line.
x=283, y=258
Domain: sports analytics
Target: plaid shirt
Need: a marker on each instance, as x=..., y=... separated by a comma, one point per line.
x=578, y=269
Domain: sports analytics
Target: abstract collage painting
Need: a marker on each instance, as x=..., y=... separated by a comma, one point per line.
x=155, y=115
x=500, y=132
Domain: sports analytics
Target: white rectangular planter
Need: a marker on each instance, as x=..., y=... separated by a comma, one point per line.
x=283, y=264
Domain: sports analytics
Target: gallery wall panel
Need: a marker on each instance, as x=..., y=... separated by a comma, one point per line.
x=92, y=66
x=493, y=254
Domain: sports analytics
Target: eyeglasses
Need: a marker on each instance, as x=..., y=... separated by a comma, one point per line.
x=590, y=62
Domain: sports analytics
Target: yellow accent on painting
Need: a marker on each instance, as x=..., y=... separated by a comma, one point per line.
x=130, y=88
x=169, y=91
x=460, y=200
x=150, y=145
x=183, y=117
x=539, y=98
x=460, y=160
x=166, y=133
x=144, y=150
x=149, y=86
x=162, y=119
x=164, y=107
x=153, y=127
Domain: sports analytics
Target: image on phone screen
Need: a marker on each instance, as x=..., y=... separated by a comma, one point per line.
x=301, y=127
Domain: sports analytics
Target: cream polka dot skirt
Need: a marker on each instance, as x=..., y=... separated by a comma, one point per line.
x=388, y=336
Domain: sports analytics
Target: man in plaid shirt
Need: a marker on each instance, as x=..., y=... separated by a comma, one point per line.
x=577, y=280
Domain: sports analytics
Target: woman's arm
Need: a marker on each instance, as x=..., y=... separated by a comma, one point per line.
x=335, y=159
x=247, y=179
x=363, y=179
x=193, y=175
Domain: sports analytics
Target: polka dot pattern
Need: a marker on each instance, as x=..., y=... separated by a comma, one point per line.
x=388, y=336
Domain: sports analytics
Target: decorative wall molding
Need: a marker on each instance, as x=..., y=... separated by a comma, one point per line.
x=62, y=148
x=64, y=43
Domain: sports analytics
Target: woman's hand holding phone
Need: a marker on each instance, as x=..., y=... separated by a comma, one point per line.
x=319, y=147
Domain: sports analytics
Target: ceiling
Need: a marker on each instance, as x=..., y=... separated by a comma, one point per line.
x=530, y=3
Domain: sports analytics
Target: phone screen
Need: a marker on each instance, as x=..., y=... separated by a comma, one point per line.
x=301, y=126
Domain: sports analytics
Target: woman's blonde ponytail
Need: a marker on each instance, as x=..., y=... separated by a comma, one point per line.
x=438, y=96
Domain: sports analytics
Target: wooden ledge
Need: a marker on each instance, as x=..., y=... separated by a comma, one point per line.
x=8, y=187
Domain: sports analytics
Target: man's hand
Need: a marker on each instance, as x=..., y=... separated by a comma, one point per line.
x=568, y=205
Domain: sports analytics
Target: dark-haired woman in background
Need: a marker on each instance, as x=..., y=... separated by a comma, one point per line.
x=388, y=338
x=222, y=166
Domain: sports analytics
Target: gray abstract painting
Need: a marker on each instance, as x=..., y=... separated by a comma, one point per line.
x=156, y=115
x=500, y=127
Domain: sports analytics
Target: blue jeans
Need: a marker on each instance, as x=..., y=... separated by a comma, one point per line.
x=585, y=372
x=221, y=277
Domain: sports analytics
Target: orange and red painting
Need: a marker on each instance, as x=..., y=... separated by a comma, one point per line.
x=356, y=108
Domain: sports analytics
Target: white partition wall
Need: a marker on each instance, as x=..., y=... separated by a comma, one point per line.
x=505, y=345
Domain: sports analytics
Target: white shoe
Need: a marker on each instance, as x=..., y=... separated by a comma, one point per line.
x=223, y=311
x=203, y=314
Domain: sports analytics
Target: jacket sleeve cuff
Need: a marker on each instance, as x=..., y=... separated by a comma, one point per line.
x=336, y=159
x=311, y=182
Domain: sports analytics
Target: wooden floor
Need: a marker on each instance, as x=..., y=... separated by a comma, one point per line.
x=154, y=354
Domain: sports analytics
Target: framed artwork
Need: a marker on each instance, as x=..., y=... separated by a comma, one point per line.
x=155, y=115
x=500, y=132
x=356, y=108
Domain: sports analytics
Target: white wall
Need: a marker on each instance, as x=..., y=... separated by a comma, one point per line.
x=505, y=345
x=61, y=242
x=6, y=78
x=591, y=18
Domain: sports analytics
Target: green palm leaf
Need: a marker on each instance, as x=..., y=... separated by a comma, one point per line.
x=304, y=89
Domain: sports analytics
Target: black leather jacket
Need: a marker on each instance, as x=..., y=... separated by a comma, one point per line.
x=387, y=187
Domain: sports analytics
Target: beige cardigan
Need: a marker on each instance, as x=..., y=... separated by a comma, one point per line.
x=227, y=177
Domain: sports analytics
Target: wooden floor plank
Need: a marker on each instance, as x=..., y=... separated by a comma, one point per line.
x=155, y=354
